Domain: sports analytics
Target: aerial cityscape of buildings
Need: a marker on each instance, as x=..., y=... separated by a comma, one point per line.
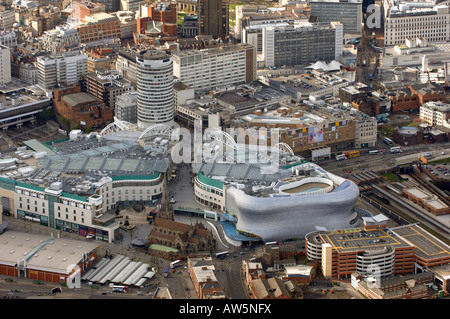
x=217, y=149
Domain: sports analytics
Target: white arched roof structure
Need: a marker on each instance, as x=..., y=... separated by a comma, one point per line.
x=157, y=129
x=285, y=148
x=117, y=126
x=223, y=137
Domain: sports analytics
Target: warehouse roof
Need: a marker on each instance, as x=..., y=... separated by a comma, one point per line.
x=42, y=252
x=79, y=98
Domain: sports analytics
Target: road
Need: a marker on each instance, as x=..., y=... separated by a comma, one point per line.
x=369, y=56
x=229, y=272
x=386, y=160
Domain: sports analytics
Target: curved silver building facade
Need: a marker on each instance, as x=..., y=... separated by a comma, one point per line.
x=293, y=215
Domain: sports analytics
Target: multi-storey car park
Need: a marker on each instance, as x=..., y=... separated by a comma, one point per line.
x=375, y=249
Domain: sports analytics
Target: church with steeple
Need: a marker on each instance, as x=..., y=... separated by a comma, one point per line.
x=184, y=238
x=165, y=211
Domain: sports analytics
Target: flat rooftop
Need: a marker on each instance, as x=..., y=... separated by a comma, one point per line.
x=11, y=98
x=425, y=196
x=428, y=247
x=355, y=239
x=43, y=252
x=308, y=82
x=78, y=98
x=213, y=51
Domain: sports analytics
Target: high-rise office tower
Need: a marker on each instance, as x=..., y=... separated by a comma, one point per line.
x=213, y=18
x=302, y=44
x=5, y=64
x=347, y=12
x=155, y=94
x=215, y=67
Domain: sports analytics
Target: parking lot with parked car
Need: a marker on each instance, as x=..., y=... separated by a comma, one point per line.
x=440, y=170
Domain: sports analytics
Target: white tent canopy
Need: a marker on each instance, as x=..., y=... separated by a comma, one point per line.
x=321, y=65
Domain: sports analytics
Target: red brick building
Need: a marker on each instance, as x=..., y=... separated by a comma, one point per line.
x=260, y=286
x=156, y=28
x=160, y=15
x=98, y=27
x=81, y=9
x=202, y=273
x=407, y=287
x=101, y=58
x=410, y=98
x=80, y=108
x=163, y=12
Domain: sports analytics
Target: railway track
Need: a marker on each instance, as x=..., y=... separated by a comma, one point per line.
x=410, y=208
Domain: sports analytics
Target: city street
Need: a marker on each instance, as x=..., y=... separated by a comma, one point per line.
x=386, y=160
x=229, y=272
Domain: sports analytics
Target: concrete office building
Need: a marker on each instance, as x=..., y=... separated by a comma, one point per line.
x=61, y=38
x=105, y=85
x=126, y=65
x=8, y=38
x=131, y=5
x=5, y=64
x=212, y=68
x=128, y=23
x=245, y=10
x=347, y=12
x=404, y=20
x=62, y=69
x=7, y=17
x=126, y=107
x=302, y=44
x=435, y=114
x=155, y=92
x=251, y=24
x=101, y=58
